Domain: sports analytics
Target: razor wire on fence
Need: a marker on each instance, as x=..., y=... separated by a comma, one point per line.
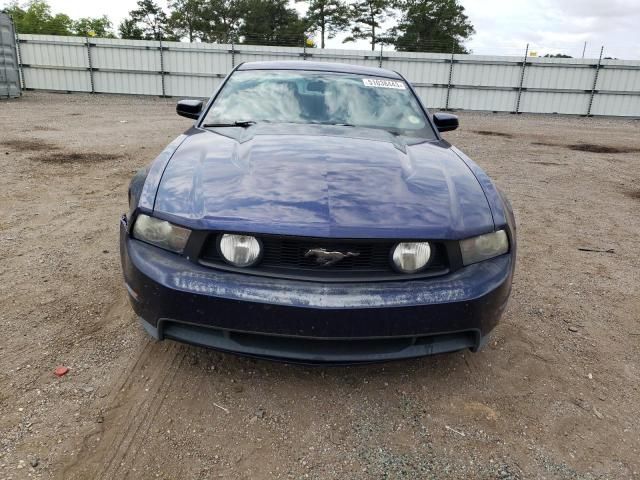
x=446, y=79
x=566, y=50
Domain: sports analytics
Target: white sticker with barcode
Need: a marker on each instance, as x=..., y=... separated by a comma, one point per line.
x=381, y=83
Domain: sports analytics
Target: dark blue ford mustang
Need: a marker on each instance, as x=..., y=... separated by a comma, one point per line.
x=313, y=213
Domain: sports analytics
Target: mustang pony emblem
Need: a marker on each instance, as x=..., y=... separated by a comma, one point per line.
x=325, y=258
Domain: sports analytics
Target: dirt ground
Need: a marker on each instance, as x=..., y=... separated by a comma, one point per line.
x=554, y=395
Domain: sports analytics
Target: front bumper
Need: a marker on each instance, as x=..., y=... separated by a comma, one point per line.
x=313, y=322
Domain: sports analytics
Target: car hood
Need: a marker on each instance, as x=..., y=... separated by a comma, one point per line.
x=340, y=182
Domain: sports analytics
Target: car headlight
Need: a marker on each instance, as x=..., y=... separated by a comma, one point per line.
x=484, y=247
x=160, y=233
x=240, y=250
x=411, y=257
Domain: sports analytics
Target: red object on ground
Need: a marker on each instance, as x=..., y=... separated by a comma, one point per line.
x=60, y=371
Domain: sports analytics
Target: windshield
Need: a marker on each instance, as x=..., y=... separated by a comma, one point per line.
x=292, y=96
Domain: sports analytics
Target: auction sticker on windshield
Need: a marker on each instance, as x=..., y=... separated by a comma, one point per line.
x=381, y=83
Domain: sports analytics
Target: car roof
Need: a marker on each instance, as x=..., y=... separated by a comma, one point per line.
x=319, y=67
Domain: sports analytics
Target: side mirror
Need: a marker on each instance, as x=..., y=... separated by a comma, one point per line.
x=189, y=108
x=445, y=121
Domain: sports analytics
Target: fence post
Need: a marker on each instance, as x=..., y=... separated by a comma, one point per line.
x=23, y=84
x=233, y=53
x=6, y=75
x=453, y=49
x=93, y=86
x=380, y=60
x=19, y=55
x=524, y=66
x=164, y=93
x=595, y=82
x=304, y=48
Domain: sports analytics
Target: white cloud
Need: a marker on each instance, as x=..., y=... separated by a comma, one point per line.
x=556, y=26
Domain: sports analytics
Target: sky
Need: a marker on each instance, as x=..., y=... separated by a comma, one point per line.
x=503, y=27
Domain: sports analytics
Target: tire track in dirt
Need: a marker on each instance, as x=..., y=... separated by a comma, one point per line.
x=84, y=458
x=142, y=430
x=129, y=414
x=138, y=415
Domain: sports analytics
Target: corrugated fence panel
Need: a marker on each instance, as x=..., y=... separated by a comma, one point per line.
x=47, y=50
x=197, y=58
x=434, y=97
x=125, y=66
x=614, y=78
x=548, y=73
x=465, y=82
x=198, y=87
x=483, y=70
x=611, y=78
x=195, y=69
x=617, y=105
x=114, y=54
x=475, y=99
x=261, y=53
x=132, y=83
x=420, y=68
x=9, y=72
x=354, y=57
x=42, y=55
x=550, y=102
x=50, y=79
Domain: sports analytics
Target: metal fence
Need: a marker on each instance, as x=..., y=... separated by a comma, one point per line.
x=444, y=81
x=9, y=73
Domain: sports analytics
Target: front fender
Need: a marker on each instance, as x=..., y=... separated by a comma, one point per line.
x=135, y=188
x=147, y=196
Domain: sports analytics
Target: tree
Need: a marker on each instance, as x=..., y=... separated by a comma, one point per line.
x=186, y=19
x=271, y=22
x=432, y=25
x=368, y=16
x=222, y=20
x=59, y=24
x=329, y=17
x=557, y=55
x=129, y=29
x=93, y=27
x=151, y=19
x=36, y=17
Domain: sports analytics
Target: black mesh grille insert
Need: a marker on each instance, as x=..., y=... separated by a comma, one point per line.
x=286, y=257
x=280, y=252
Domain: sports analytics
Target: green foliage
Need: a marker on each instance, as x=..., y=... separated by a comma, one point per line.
x=432, y=26
x=424, y=25
x=129, y=29
x=557, y=55
x=152, y=20
x=187, y=19
x=36, y=17
x=368, y=16
x=270, y=22
x=93, y=27
x=329, y=17
x=222, y=20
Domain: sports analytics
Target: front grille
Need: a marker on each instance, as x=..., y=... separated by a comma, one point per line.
x=285, y=257
x=289, y=253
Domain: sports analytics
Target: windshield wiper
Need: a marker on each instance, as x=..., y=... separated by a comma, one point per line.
x=334, y=124
x=239, y=123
